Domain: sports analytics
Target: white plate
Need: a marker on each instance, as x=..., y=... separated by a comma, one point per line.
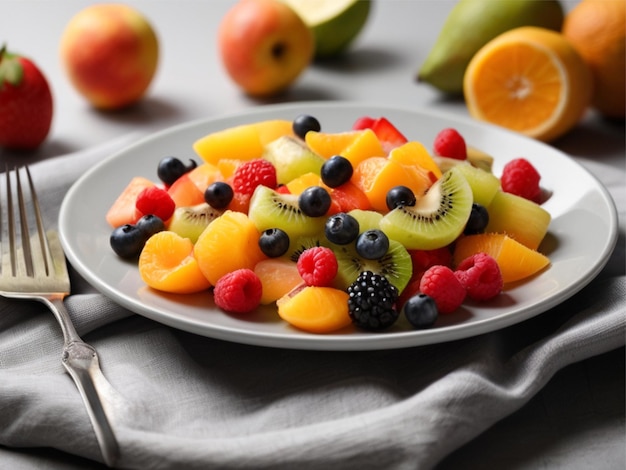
x=581, y=237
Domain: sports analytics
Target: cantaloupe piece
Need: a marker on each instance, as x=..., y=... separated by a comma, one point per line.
x=278, y=276
x=516, y=261
x=123, y=211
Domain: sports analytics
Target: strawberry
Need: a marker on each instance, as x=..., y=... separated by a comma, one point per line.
x=25, y=103
x=386, y=132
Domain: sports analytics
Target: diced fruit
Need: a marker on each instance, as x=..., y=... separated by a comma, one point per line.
x=167, y=264
x=479, y=159
x=299, y=184
x=365, y=145
x=315, y=309
x=123, y=210
x=328, y=144
x=244, y=142
x=184, y=192
x=228, y=243
x=278, y=277
x=190, y=221
x=269, y=209
x=437, y=219
x=484, y=184
x=414, y=155
x=205, y=174
x=348, y=196
x=375, y=176
x=368, y=219
x=292, y=158
x=521, y=219
x=516, y=261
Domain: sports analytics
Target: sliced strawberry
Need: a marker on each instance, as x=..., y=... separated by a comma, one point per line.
x=386, y=132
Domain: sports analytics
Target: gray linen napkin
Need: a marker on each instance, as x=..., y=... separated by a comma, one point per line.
x=215, y=404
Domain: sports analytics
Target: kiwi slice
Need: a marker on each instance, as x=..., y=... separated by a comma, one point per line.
x=190, y=221
x=436, y=219
x=299, y=244
x=292, y=158
x=396, y=265
x=270, y=209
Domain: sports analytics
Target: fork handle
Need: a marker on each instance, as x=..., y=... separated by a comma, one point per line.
x=82, y=363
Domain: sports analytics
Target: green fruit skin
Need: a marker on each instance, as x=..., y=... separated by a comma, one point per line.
x=472, y=24
x=333, y=38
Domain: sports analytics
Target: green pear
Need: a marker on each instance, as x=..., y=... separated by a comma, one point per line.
x=473, y=23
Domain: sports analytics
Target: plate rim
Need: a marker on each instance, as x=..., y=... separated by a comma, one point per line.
x=395, y=340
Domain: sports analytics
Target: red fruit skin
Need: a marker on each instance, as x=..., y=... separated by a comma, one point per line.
x=521, y=178
x=155, y=201
x=317, y=266
x=238, y=291
x=26, y=105
x=481, y=276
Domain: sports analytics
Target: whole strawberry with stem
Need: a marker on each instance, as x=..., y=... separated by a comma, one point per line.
x=25, y=103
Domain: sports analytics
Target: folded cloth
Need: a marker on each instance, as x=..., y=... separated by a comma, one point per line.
x=214, y=404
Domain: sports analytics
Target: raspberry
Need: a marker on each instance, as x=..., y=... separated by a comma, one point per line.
x=480, y=276
x=317, y=266
x=440, y=283
x=372, y=302
x=238, y=291
x=521, y=178
x=449, y=143
x=155, y=201
x=251, y=174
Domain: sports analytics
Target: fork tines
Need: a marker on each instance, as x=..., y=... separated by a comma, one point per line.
x=22, y=250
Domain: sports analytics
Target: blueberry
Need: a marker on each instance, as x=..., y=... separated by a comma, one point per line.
x=305, y=123
x=336, y=171
x=421, y=311
x=150, y=224
x=400, y=196
x=314, y=201
x=218, y=195
x=274, y=242
x=341, y=228
x=478, y=220
x=372, y=244
x=171, y=168
x=127, y=241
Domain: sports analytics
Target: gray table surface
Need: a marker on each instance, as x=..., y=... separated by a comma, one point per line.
x=576, y=421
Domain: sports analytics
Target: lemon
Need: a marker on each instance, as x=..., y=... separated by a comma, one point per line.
x=334, y=23
x=530, y=80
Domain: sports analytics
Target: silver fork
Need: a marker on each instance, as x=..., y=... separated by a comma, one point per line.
x=34, y=267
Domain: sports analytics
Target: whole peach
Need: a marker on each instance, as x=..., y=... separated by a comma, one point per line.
x=110, y=52
x=264, y=46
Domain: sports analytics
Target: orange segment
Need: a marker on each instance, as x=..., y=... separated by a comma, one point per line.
x=167, y=264
x=516, y=261
x=375, y=176
x=530, y=80
x=414, y=155
x=299, y=184
x=244, y=142
x=328, y=144
x=365, y=145
x=229, y=242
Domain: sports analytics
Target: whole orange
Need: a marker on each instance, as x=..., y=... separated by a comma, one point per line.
x=597, y=29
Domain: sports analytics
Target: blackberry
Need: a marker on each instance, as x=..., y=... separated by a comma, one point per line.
x=372, y=302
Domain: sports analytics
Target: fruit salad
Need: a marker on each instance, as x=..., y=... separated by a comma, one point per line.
x=335, y=229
